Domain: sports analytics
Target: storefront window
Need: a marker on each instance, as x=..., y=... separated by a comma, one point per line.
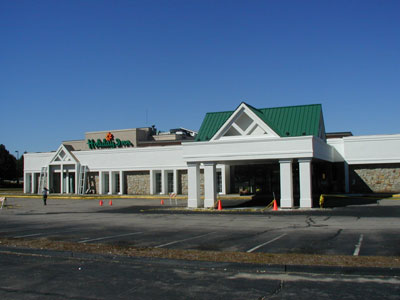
x=170, y=182
x=158, y=183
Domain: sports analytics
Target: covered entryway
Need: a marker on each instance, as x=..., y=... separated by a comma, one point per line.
x=250, y=179
x=270, y=148
x=62, y=173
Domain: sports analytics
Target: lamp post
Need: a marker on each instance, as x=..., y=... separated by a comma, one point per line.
x=17, y=154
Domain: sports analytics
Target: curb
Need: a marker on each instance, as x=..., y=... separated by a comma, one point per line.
x=156, y=197
x=281, y=268
x=50, y=196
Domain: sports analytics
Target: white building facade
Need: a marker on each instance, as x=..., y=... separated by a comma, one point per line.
x=276, y=151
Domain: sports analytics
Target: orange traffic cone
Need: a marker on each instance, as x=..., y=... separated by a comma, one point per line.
x=219, y=205
x=101, y=203
x=275, y=205
x=162, y=201
x=110, y=202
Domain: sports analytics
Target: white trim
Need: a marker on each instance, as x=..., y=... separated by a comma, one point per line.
x=243, y=108
x=377, y=137
x=373, y=161
x=251, y=156
x=131, y=150
x=69, y=155
x=249, y=139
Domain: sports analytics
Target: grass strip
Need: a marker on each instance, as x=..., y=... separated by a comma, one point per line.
x=214, y=256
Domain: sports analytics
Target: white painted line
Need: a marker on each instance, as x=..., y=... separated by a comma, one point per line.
x=184, y=240
x=28, y=235
x=358, y=246
x=109, y=237
x=44, y=233
x=266, y=243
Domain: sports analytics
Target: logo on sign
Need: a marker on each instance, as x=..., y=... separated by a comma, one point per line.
x=108, y=142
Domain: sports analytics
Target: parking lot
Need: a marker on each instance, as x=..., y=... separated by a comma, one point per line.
x=370, y=230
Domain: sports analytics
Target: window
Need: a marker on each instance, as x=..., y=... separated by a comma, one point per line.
x=170, y=181
x=158, y=183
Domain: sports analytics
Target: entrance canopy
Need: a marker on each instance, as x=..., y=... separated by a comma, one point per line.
x=63, y=171
x=249, y=135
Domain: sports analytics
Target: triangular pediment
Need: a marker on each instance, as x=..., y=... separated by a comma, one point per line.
x=63, y=155
x=244, y=123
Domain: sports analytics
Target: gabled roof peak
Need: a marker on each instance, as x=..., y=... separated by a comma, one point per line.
x=295, y=120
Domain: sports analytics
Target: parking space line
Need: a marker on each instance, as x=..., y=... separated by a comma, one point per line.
x=27, y=235
x=184, y=240
x=266, y=243
x=109, y=237
x=358, y=246
x=45, y=233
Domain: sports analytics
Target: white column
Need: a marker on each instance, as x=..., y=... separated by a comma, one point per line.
x=111, y=183
x=27, y=182
x=121, y=182
x=305, y=183
x=286, y=183
x=210, y=184
x=48, y=178
x=346, y=178
x=67, y=182
x=152, y=182
x=34, y=183
x=194, y=199
x=101, y=181
x=61, y=178
x=176, y=181
x=77, y=167
x=226, y=179
x=164, y=182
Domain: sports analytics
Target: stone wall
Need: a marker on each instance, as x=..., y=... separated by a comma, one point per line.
x=382, y=178
x=137, y=183
x=183, y=182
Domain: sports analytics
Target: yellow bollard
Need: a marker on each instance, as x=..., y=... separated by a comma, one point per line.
x=321, y=201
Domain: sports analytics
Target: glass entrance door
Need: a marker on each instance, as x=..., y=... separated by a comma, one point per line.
x=56, y=186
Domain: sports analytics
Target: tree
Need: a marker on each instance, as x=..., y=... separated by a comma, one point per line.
x=8, y=166
x=20, y=168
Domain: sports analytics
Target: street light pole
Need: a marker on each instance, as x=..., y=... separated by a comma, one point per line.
x=17, y=154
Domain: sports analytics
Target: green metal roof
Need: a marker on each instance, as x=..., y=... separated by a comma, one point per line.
x=211, y=123
x=285, y=121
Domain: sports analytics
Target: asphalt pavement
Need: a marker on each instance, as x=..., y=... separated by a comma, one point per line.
x=358, y=230
x=367, y=230
x=47, y=275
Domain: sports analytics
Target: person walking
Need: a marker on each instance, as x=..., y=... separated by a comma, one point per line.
x=45, y=191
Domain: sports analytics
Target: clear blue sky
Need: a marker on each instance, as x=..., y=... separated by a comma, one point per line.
x=68, y=67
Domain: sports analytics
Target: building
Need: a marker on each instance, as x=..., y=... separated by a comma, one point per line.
x=283, y=151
